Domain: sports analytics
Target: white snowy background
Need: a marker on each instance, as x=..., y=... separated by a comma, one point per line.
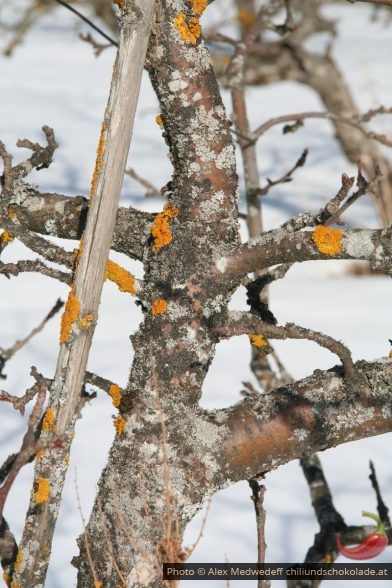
x=54, y=79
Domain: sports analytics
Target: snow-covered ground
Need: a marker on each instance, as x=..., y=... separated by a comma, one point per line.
x=54, y=79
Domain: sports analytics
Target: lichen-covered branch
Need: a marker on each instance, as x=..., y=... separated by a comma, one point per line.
x=319, y=412
x=245, y=323
x=63, y=216
x=323, y=243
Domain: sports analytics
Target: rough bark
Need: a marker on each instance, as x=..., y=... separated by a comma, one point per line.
x=81, y=311
x=169, y=455
x=65, y=217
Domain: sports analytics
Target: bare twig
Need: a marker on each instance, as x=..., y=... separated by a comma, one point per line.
x=241, y=323
x=258, y=491
x=97, y=47
x=354, y=121
x=88, y=21
x=384, y=2
x=382, y=508
x=36, y=266
x=151, y=190
x=8, y=353
x=19, y=402
x=332, y=211
x=85, y=535
x=29, y=445
x=287, y=177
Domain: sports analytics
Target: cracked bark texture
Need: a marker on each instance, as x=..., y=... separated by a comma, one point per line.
x=169, y=455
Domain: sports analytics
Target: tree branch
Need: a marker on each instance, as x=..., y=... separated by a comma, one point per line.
x=316, y=413
x=279, y=246
x=243, y=323
x=65, y=217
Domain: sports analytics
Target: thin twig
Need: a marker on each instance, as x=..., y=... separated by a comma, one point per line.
x=85, y=535
x=298, y=118
x=241, y=323
x=151, y=189
x=88, y=21
x=8, y=353
x=97, y=47
x=36, y=266
x=382, y=508
x=258, y=491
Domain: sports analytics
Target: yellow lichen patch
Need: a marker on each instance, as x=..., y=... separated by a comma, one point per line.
x=86, y=321
x=159, y=306
x=246, y=18
x=70, y=315
x=160, y=230
x=115, y=393
x=98, y=584
x=39, y=455
x=120, y=276
x=45, y=549
x=15, y=584
x=11, y=213
x=120, y=424
x=67, y=458
x=99, y=159
x=199, y=6
x=6, y=237
x=328, y=241
x=78, y=252
x=48, y=420
x=6, y=578
x=18, y=561
x=121, y=4
x=258, y=341
x=189, y=29
x=41, y=495
x=159, y=120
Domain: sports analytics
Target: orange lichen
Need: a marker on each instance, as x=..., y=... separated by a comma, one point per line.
x=78, y=252
x=48, y=420
x=6, y=237
x=159, y=120
x=160, y=229
x=159, y=306
x=70, y=315
x=6, y=578
x=18, y=561
x=246, y=18
x=328, y=241
x=11, y=213
x=120, y=276
x=115, y=393
x=39, y=455
x=98, y=584
x=41, y=495
x=189, y=29
x=15, y=584
x=258, y=341
x=86, y=321
x=99, y=159
x=121, y=4
x=120, y=424
x=199, y=6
